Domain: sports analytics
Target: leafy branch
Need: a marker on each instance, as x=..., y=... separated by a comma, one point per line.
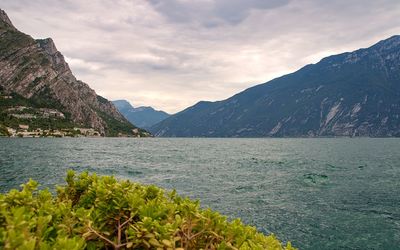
x=92, y=212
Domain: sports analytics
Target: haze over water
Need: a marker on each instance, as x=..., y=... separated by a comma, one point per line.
x=318, y=193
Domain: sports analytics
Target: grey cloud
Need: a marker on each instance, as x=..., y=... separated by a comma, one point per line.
x=235, y=11
x=174, y=9
x=212, y=13
x=153, y=59
x=43, y=4
x=103, y=24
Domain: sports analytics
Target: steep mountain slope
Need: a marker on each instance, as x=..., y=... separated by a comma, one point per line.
x=143, y=117
x=37, y=71
x=351, y=94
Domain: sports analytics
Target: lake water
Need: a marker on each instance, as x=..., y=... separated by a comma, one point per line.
x=318, y=193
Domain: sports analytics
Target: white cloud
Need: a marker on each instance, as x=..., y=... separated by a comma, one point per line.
x=84, y=65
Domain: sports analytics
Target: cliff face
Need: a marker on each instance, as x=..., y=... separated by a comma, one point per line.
x=351, y=94
x=4, y=18
x=36, y=70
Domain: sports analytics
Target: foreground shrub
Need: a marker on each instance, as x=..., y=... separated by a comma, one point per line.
x=93, y=212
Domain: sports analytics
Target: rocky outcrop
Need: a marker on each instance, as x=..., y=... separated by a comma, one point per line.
x=35, y=69
x=351, y=94
x=4, y=18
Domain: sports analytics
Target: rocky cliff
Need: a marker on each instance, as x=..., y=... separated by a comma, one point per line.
x=36, y=70
x=351, y=94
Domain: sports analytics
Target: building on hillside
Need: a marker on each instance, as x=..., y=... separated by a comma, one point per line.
x=87, y=131
x=17, y=108
x=52, y=113
x=24, y=116
x=23, y=127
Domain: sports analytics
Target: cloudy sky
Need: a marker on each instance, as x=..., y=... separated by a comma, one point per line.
x=170, y=54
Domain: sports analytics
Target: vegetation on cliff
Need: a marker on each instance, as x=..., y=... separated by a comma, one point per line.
x=93, y=212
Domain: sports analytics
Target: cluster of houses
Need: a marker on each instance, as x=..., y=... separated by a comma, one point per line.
x=87, y=132
x=24, y=131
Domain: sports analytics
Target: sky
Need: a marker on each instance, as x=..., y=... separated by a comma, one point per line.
x=170, y=54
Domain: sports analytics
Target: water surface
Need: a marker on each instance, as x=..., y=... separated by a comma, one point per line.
x=318, y=193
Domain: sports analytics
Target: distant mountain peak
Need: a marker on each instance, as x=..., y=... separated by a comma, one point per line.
x=144, y=116
x=122, y=104
x=389, y=43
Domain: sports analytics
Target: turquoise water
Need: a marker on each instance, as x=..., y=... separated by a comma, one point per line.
x=318, y=193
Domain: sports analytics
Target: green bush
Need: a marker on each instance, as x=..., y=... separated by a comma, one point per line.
x=3, y=131
x=93, y=212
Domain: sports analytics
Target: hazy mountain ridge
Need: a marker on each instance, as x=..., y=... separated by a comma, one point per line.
x=36, y=70
x=143, y=117
x=350, y=94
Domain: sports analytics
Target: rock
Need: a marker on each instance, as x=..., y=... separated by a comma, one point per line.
x=4, y=18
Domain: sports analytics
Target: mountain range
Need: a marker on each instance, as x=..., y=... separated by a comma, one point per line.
x=143, y=117
x=350, y=94
x=33, y=73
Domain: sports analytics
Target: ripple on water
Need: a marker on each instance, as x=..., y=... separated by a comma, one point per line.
x=314, y=178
